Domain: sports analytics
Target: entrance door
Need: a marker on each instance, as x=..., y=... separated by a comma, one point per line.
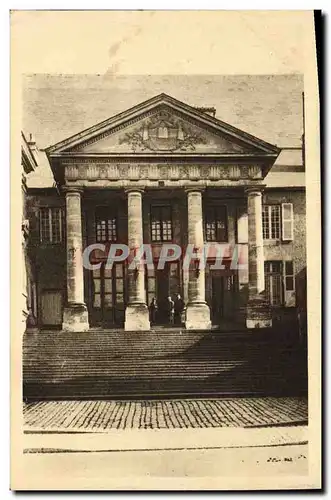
x=108, y=301
x=51, y=308
x=217, y=311
x=167, y=284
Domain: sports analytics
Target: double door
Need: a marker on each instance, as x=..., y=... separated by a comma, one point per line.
x=108, y=296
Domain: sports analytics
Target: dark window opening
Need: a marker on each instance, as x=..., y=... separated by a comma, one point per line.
x=106, y=224
x=161, y=223
x=216, y=226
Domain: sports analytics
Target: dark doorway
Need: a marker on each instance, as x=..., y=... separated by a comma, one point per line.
x=162, y=293
x=167, y=284
x=217, y=312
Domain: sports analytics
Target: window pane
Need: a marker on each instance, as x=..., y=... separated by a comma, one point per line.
x=97, y=301
x=108, y=285
x=96, y=283
x=119, y=298
x=161, y=223
x=289, y=283
x=44, y=225
x=96, y=273
x=119, y=271
x=56, y=225
x=151, y=285
x=265, y=222
x=216, y=224
x=210, y=231
x=275, y=267
x=275, y=222
x=119, y=285
x=271, y=222
x=112, y=230
x=273, y=282
x=276, y=287
x=108, y=300
x=289, y=268
x=106, y=224
x=108, y=272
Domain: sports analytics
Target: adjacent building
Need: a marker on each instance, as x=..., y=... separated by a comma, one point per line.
x=29, y=164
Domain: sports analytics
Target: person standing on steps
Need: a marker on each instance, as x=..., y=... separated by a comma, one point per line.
x=153, y=311
x=171, y=310
x=179, y=306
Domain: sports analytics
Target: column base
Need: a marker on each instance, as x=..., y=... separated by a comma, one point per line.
x=258, y=314
x=136, y=318
x=197, y=317
x=75, y=318
x=31, y=329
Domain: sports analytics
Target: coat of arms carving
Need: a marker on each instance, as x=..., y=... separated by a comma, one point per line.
x=163, y=132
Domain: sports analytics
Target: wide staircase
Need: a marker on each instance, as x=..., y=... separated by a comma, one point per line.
x=161, y=363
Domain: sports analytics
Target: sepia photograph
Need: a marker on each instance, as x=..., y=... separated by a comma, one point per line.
x=163, y=295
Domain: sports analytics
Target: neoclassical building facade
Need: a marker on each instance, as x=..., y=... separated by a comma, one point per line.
x=166, y=173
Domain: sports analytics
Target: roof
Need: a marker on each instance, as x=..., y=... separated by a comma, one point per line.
x=42, y=177
x=29, y=157
x=122, y=119
x=59, y=106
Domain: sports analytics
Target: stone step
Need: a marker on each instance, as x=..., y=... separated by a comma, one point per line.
x=69, y=366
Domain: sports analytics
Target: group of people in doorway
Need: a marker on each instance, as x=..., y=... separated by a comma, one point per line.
x=172, y=309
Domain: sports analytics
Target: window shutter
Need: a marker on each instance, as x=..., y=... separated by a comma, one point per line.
x=287, y=221
x=242, y=225
x=289, y=284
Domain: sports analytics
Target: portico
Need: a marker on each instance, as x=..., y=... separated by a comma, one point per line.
x=163, y=172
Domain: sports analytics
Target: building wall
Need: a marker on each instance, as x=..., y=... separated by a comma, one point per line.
x=292, y=250
x=50, y=260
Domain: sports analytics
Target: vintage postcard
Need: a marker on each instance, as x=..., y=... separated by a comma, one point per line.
x=165, y=201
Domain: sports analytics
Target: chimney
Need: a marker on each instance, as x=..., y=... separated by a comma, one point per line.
x=33, y=147
x=32, y=142
x=206, y=110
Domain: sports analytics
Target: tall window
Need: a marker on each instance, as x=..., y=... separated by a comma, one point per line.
x=51, y=223
x=216, y=227
x=271, y=222
x=280, y=283
x=161, y=223
x=273, y=282
x=106, y=224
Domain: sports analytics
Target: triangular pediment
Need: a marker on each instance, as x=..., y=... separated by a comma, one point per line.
x=162, y=125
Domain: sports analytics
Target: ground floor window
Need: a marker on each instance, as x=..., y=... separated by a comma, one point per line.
x=273, y=282
x=280, y=283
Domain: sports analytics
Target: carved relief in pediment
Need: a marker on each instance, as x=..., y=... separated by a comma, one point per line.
x=163, y=132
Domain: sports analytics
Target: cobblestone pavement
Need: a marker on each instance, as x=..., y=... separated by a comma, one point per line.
x=98, y=416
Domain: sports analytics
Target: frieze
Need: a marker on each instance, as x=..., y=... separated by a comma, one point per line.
x=111, y=172
x=254, y=172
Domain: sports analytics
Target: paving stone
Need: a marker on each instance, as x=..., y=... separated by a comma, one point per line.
x=194, y=413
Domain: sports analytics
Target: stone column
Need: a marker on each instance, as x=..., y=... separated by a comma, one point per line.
x=75, y=315
x=136, y=313
x=258, y=312
x=197, y=311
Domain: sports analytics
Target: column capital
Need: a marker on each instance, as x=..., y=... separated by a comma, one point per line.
x=255, y=190
x=192, y=189
x=134, y=190
x=78, y=190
